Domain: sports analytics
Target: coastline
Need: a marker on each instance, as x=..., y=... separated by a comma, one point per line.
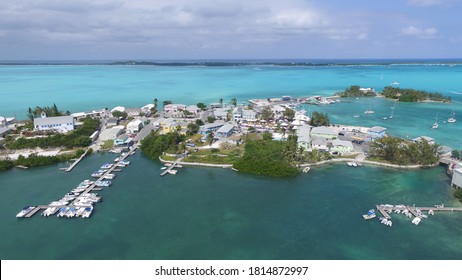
x=198, y=164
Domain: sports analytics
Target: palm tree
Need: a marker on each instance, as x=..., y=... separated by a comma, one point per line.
x=234, y=102
x=210, y=137
x=155, y=102
x=221, y=101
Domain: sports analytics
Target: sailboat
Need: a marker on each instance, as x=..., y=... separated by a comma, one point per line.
x=452, y=119
x=435, y=125
x=370, y=110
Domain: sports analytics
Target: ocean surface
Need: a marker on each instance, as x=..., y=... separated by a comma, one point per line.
x=207, y=213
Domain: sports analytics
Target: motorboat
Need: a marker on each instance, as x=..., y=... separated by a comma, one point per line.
x=369, y=215
x=116, y=159
x=452, y=119
x=163, y=168
x=24, y=211
x=172, y=171
x=87, y=212
x=435, y=125
x=395, y=84
x=416, y=220
x=306, y=169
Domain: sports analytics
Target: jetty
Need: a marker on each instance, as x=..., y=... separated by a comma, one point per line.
x=172, y=165
x=77, y=161
x=416, y=211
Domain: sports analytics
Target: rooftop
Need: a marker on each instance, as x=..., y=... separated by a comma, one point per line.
x=323, y=130
x=53, y=120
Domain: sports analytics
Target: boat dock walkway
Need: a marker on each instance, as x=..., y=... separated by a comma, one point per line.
x=386, y=209
x=77, y=161
x=92, y=187
x=166, y=171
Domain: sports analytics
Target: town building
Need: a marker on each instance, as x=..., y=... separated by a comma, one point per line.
x=304, y=138
x=225, y=131
x=193, y=109
x=249, y=115
x=215, y=105
x=168, y=125
x=135, y=126
x=210, y=127
x=324, y=132
x=220, y=113
x=112, y=121
x=376, y=132
x=118, y=108
x=61, y=124
x=111, y=133
x=341, y=146
x=319, y=144
x=457, y=178
x=123, y=140
x=133, y=112
x=174, y=108
x=237, y=114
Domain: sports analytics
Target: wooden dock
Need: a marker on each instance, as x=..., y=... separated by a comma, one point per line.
x=166, y=171
x=414, y=210
x=90, y=188
x=77, y=161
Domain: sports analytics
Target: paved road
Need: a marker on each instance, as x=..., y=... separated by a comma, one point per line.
x=144, y=132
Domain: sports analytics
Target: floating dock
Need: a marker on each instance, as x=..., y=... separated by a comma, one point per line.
x=176, y=162
x=77, y=161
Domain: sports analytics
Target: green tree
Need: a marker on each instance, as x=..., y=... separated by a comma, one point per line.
x=155, y=102
x=234, y=101
x=209, y=138
x=166, y=102
x=199, y=122
x=221, y=101
x=289, y=114
x=267, y=114
x=319, y=119
x=267, y=135
x=193, y=128
x=201, y=106
x=119, y=114
x=455, y=154
x=211, y=119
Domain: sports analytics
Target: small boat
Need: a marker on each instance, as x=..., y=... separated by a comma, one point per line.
x=416, y=220
x=25, y=211
x=369, y=111
x=354, y=164
x=385, y=118
x=369, y=215
x=394, y=83
x=172, y=171
x=356, y=116
x=435, y=125
x=116, y=159
x=234, y=169
x=452, y=119
x=163, y=168
x=306, y=169
x=87, y=212
x=168, y=164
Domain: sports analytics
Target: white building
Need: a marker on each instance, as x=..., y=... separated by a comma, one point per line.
x=457, y=178
x=61, y=124
x=118, y=108
x=133, y=112
x=135, y=126
x=249, y=115
x=304, y=138
x=174, y=108
x=237, y=114
x=111, y=133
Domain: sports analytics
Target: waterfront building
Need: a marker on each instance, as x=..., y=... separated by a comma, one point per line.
x=118, y=108
x=135, y=126
x=193, y=109
x=225, y=131
x=237, y=114
x=210, y=127
x=133, y=112
x=249, y=115
x=174, y=108
x=148, y=107
x=216, y=105
x=4, y=130
x=4, y=121
x=304, y=138
x=319, y=144
x=376, y=132
x=324, y=132
x=111, y=133
x=457, y=178
x=341, y=146
x=61, y=124
x=123, y=140
x=91, y=114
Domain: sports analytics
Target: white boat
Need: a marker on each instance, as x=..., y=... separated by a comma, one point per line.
x=435, y=125
x=87, y=212
x=24, y=211
x=306, y=169
x=416, y=221
x=354, y=164
x=116, y=159
x=163, y=168
x=172, y=171
x=349, y=163
x=356, y=116
x=394, y=83
x=369, y=111
x=452, y=119
x=369, y=215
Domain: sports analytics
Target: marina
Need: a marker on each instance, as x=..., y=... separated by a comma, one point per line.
x=79, y=202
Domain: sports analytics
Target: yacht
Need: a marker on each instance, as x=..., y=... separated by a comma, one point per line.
x=24, y=211
x=369, y=215
x=395, y=84
x=370, y=110
x=452, y=119
x=87, y=212
x=306, y=169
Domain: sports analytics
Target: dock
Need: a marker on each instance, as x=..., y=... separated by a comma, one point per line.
x=416, y=211
x=77, y=161
x=176, y=162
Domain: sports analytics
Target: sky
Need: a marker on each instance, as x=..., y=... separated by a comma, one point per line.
x=229, y=29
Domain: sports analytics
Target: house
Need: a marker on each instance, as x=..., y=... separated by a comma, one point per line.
x=249, y=115
x=286, y=98
x=168, y=125
x=341, y=146
x=210, y=127
x=304, y=138
x=457, y=178
x=112, y=121
x=193, y=109
x=237, y=114
x=118, y=108
x=133, y=112
x=174, y=108
x=225, y=131
x=91, y=114
x=148, y=107
x=420, y=139
x=123, y=140
x=4, y=121
x=319, y=144
x=220, y=113
x=135, y=126
x=215, y=105
x=4, y=130
x=111, y=133
x=376, y=132
x=324, y=132
x=61, y=124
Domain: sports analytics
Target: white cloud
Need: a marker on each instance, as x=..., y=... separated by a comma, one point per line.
x=425, y=33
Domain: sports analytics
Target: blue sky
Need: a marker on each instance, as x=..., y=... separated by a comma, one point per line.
x=214, y=29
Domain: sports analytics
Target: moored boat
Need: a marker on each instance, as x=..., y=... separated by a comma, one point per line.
x=24, y=211
x=369, y=215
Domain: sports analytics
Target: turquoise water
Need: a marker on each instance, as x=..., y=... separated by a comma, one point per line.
x=205, y=213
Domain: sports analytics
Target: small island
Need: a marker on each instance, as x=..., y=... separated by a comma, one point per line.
x=395, y=93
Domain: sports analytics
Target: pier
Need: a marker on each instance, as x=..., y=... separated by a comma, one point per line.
x=77, y=161
x=416, y=211
x=166, y=171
